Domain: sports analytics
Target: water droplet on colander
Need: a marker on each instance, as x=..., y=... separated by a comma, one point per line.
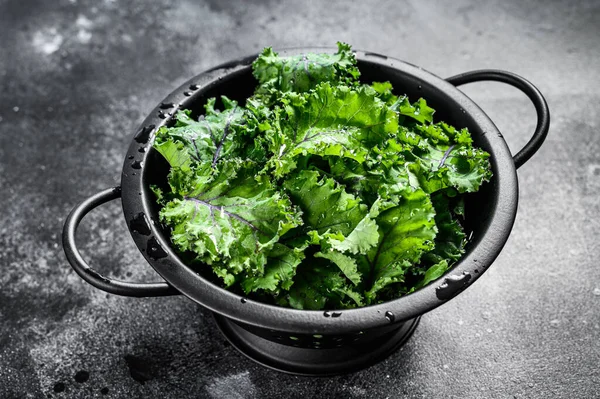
x=162, y=115
x=187, y=93
x=220, y=78
x=336, y=314
x=326, y=314
x=140, y=224
x=194, y=87
x=137, y=164
x=130, y=157
x=143, y=134
x=154, y=250
x=243, y=300
x=390, y=316
x=166, y=105
x=96, y=275
x=451, y=285
x=142, y=149
x=419, y=87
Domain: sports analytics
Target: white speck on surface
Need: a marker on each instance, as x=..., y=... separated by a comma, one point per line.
x=356, y=391
x=16, y=109
x=596, y=291
x=42, y=264
x=445, y=366
x=83, y=22
x=237, y=386
x=555, y=322
x=47, y=41
x=84, y=36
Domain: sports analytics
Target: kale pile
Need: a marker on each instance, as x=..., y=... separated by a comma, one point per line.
x=321, y=191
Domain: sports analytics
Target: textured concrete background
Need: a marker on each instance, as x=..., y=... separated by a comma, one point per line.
x=77, y=77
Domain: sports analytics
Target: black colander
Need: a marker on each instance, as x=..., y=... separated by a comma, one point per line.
x=302, y=341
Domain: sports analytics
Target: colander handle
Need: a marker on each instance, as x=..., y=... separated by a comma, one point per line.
x=541, y=107
x=90, y=275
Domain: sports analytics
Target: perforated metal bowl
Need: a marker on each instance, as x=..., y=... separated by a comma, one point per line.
x=301, y=341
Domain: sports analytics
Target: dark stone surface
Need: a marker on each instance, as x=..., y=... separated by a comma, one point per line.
x=77, y=77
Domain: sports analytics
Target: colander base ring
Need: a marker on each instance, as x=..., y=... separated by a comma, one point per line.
x=309, y=361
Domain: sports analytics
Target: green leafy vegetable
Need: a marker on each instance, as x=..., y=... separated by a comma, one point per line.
x=407, y=230
x=302, y=73
x=329, y=121
x=227, y=218
x=320, y=191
